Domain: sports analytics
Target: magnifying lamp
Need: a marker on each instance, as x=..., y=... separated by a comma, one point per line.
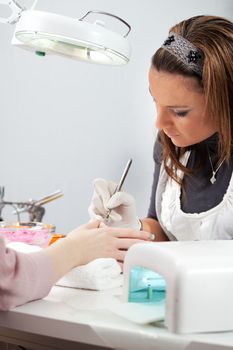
x=50, y=33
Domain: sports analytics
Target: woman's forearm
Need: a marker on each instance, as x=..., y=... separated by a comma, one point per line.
x=154, y=227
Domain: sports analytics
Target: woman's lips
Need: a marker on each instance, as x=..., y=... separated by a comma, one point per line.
x=171, y=135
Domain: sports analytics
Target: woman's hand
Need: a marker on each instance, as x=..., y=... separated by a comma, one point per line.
x=120, y=204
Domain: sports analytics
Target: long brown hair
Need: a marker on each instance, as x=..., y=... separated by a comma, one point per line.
x=214, y=37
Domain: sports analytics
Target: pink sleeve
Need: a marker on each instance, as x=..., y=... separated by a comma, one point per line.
x=23, y=277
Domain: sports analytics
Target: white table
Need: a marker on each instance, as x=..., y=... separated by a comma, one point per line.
x=77, y=319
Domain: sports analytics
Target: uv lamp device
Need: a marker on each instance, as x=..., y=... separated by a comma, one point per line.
x=191, y=282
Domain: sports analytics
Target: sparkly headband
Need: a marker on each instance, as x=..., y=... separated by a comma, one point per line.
x=185, y=52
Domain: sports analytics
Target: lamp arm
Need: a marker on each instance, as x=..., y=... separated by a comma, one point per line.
x=16, y=10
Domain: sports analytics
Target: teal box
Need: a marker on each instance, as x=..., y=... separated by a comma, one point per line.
x=146, y=286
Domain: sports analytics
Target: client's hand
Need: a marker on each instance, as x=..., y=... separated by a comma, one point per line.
x=92, y=242
x=121, y=205
x=89, y=242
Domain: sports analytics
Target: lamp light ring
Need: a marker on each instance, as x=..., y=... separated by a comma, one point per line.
x=111, y=15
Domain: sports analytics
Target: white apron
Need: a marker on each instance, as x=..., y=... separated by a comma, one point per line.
x=215, y=223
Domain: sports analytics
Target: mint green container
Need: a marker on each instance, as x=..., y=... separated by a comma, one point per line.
x=146, y=286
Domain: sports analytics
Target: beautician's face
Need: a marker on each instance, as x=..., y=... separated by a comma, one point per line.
x=180, y=108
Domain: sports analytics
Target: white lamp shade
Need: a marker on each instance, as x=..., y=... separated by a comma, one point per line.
x=46, y=33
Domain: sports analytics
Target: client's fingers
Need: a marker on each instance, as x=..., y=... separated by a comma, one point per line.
x=120, y=256
x=129, y=233
x=126, y=243
x=90, y=225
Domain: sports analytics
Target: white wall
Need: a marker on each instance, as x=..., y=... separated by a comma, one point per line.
x=64, y=123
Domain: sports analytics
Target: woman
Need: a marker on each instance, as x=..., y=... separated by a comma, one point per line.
x=191, y=83
x=26, y=277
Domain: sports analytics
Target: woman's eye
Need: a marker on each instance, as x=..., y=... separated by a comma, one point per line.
x=181, y=113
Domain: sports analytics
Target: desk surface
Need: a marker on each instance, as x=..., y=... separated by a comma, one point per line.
x=83, y=316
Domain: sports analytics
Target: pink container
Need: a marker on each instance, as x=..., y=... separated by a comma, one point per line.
x=38, y=235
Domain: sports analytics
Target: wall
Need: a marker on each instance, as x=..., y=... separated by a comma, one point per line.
x=64, y=123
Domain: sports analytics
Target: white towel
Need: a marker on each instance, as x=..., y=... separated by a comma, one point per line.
x=99, y=274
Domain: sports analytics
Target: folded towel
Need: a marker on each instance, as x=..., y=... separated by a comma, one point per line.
x=99, y=274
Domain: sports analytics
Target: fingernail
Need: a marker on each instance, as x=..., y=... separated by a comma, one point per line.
x=152, y=237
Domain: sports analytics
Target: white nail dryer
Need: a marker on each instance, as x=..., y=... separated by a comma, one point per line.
x=189, y=284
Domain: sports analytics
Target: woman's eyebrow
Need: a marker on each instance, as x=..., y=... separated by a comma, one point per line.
x=179, y=106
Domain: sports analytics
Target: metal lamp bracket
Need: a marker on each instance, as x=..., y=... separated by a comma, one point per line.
x=16, y=10
x=110, y=15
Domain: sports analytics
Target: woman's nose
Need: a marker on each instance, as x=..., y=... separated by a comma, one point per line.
x=162, y=119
